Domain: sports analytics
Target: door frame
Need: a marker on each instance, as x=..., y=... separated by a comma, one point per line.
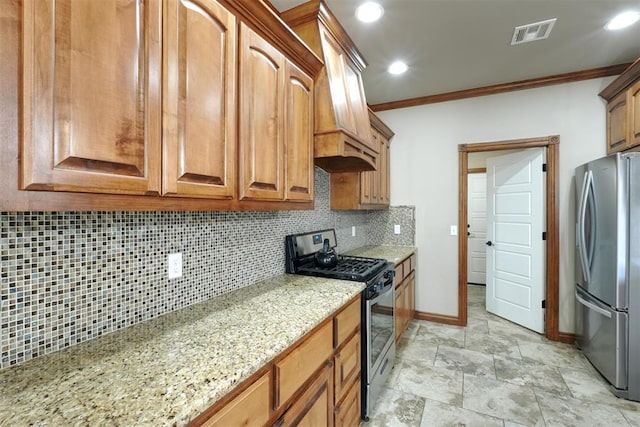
x=552, y=274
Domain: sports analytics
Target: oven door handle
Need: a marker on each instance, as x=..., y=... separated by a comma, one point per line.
x=383, y=293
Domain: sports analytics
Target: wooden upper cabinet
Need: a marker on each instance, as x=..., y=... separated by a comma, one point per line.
x=299, y=177
x=199, y=151
x=91, y=116
x=262, y=80
x=617, y=137
x=634, y=114
x=623, y=110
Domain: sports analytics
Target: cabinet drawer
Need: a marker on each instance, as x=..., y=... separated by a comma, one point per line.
x=251, y=407
x=346, y=322
x=347, y=366
x=399, y=274
x=412, y=262
x=406, y=266
x=298, y=366
x=348, y=412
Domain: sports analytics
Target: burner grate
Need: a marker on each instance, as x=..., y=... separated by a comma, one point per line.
x=349, y=268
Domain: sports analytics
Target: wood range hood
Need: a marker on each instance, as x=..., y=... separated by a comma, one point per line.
x=343, y=141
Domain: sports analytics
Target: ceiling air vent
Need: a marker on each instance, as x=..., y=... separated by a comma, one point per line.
x=532, y=32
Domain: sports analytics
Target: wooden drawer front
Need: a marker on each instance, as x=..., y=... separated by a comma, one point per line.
x=406, y=266
x=298, y=366
x=348, y=412
x=315, y=407
x=399, y=274
x=412, y=262
x=346, y=322
x=347, y=366
x=251, y=407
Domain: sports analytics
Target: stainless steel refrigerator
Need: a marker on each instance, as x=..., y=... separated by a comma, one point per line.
x=607, y=269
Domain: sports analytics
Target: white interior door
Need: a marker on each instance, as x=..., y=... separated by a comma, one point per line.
x=477, y=230
x=515, y=253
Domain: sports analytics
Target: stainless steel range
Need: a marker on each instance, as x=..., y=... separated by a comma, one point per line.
x=313, y=254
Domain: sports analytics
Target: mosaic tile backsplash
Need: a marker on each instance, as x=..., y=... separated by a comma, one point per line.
x=68, y=277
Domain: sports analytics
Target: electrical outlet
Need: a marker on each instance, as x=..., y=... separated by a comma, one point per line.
x=174, y=265
x=396, y=229
x=353, y=231
x=454, y=230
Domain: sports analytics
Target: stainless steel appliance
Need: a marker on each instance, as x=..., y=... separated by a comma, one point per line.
x=378, y=322
x=607, y=269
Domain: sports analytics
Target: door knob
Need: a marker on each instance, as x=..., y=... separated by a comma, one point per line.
x=489, y=243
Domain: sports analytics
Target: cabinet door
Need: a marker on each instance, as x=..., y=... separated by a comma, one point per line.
x=348, y=411
x=347, y=366
x=365, y=187
x=298, y=134
x=408, y=296
x=261, y=137
x=315, y=407
x=385, y=171
x=617, y=124
x=199, y=99
x=634, y=115
x=411, y=308
x=91, y=99
x=375, y=175
x=399, y=311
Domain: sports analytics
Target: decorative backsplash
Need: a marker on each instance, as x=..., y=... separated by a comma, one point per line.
x=68, y=277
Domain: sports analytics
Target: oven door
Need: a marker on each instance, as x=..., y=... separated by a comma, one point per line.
x=380, y=329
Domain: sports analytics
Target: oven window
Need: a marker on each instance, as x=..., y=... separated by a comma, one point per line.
x=382, y=324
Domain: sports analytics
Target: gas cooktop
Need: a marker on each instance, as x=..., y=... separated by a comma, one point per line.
x=301, y=249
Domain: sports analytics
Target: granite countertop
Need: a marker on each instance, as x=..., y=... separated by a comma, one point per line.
x=393, y=254
x=168, y=370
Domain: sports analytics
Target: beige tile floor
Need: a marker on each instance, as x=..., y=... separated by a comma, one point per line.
x=493, y=373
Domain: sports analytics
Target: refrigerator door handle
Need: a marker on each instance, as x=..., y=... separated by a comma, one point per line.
x=592, y=306
x=582, y=210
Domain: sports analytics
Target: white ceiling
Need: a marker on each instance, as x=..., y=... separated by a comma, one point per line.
x=462, y=44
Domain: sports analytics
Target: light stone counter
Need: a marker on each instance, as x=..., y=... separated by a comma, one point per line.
x=393, y=254
x=168, y=370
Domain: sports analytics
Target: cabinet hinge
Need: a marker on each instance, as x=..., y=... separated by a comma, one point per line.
x=544, y=167
x=544, y=303
x=544, y=235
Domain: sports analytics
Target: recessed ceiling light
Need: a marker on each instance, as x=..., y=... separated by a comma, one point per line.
x=623, y=20
x=397, y=67
x=369, y=12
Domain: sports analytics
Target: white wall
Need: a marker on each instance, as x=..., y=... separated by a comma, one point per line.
x=424, y=171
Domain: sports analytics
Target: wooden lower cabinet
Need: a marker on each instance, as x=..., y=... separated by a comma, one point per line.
x=315, y=407
x=315, y=382
x=347, y=366
x=405, y=295
x=348, y=411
